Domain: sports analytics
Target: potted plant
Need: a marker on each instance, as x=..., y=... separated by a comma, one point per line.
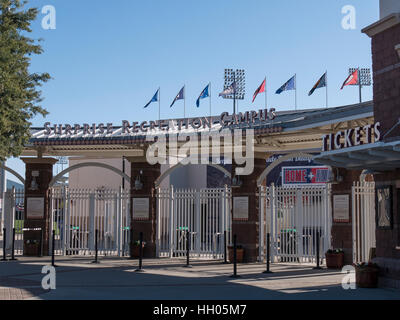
x=239, y=253
x=135, y=248
x=367, y=275
x=334, y=258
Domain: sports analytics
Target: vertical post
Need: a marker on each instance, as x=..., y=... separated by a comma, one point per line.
x=159, y=103
x=234, y=92
x=235, y=275
x=184, y=102
x=188, y=249
x=13, y=246
x=53, y=243
x=295, y=91
x=318, y=238
x=41, y=243
x=359, y=83
x=209, y=94
x=268, y=254
x=225, y=257
x=140, y=254
x=326, y=87
x=96, y=247
x=4, y=244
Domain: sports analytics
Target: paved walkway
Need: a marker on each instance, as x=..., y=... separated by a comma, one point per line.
x=165, y=279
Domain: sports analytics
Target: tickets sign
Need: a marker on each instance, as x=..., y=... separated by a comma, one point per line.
x=292, y=176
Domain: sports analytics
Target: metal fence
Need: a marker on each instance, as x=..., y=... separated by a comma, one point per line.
x=204, y=213
x=363, y=219
x=295, y=218
x=13, y=218
x=78, y=213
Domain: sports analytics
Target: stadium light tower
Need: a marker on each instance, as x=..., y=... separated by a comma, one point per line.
x=364, y=78
x=238, y=79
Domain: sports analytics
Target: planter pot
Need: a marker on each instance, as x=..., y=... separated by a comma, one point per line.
x=334, y=260
x=239, y=254
x=367, y=277
x=136, y=251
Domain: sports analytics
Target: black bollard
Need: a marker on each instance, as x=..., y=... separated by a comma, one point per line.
x=318, y=249
x=187, y=249
x=13, y=246
x=96, y=247
x=268, y=258
x=41, y=244
x=140, y=269
x=53, y=249
x=235, y=275
x=225, y=257
x=4, y=245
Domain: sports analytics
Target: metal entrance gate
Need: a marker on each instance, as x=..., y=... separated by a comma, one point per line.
x=204, y=213
x=78, y=213
x=363, y=218
x=294, y=217
x=13, y=217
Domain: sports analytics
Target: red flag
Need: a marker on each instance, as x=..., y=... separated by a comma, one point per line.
x=260, y=89
x=351, y=79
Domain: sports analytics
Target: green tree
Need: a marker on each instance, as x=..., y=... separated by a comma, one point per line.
x=19, y=96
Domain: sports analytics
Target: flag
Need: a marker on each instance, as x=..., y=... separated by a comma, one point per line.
x=260, y=89
x=320, y=84
x=352, y=79
x=289, y=85
x=203, y=94
x=179, y=96
x=229, y=90
x=154, y=99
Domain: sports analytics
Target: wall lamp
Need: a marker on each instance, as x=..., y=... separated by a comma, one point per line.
x=138, y=182
x=236, y=182
x=397, y=48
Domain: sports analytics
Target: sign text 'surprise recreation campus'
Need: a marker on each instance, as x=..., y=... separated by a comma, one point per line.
x=225, y=120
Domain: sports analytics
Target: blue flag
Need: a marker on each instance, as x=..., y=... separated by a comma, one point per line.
x=154, y=99
x=203, y=94
x=289, y=85
x=180, y=96
x=320, y=84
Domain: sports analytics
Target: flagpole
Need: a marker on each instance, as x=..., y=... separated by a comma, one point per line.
x=326, y=87
x=209, y=93
x=295, y=94
x=184, y=102
x=159, y=103
x=265, y=80
x=359, y=83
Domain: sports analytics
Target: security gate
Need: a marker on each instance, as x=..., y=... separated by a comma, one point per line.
x=13, y=218
x=295, y=219
x=202, y=215
x=363, y=218
x=78, y=213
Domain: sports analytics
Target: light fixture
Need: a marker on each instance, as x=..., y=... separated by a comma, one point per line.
x=138, y=182
x=236, y=182
x=397, y=48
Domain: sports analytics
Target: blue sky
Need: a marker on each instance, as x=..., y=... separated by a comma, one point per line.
x=107, y=58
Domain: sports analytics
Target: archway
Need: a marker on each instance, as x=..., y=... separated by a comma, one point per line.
x=89, y=164
x=14, y=173
x=179, y=165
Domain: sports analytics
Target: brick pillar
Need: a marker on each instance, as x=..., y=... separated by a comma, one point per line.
x=342, y=232
x=38, y=174
x=148, y=175
x=247, y=231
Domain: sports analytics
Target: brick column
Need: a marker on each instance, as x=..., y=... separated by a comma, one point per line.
x=247, y=231
x=342, y=232
x=38, y=174
x=148, y=175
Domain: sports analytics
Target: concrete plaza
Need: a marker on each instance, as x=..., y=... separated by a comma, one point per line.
x=166, y=279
